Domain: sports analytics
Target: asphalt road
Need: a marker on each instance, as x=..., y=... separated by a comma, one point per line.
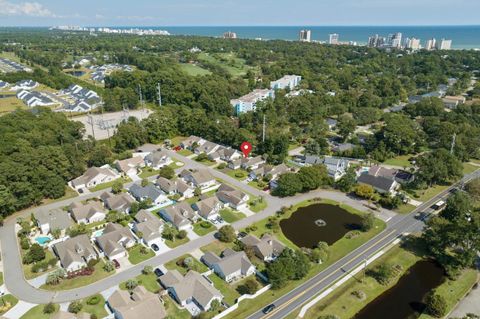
x=18, y=286
x=395, y=228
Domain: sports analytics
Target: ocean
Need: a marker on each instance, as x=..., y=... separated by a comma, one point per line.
x=463, y=37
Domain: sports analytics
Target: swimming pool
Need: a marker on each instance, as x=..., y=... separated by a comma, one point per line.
x=42, y=240
x=98, y=233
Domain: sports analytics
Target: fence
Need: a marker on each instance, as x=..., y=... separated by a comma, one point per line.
x=243, y=297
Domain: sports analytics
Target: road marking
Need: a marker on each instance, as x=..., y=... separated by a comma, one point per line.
x=323, y=279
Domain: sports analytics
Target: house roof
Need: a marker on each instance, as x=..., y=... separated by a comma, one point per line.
x=149, y=225
x=91, y=173
x=142, y=192
x=267, y=246
x=251, y=161
x=75, y=249
x=228, y=194
x=194, y=285
x=199, y=176
x=141, y=304
x=157, y=157
x=378, y=170
x=378, y=182
x=189, y=141
x=129, y=163
x=180, y=213
x=112, y=238
x=206, y=206
x=231, y=262
x=56, y=219
x=147, y=148
x=84, y=211
x=117, y=202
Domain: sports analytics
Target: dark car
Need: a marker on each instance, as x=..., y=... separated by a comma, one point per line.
x=242, y=234
x=116, y=263
x=158, y=272
x=155, y=247
x=269, y=308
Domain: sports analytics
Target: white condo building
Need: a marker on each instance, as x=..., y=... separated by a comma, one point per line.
x=248, y=102
x=444, y=44
x=290, y=81
x=413, y=43
x=305, y=35
x=333, y=38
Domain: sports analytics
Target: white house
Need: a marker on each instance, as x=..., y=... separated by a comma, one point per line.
x=208, y=208
x=149, y=227
x=288, y=81
x=158, y=159
x=231, y=265
x=115, y=241
x=248, y=103
x=24, y=85
x=88, y=213
x=200, y=178
x=94, y=176
x=149, y=192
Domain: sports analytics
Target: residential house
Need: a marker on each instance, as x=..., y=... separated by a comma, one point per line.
x=180, y=215
x=77, y=107
x=208, y=208
x=252, y=162
x=381, y=184
x=51, y=220
x=4, y=85
x=235, y=164
x=232, y=197
x=121, y=202
x=336, y=167
x=288, y=81
x=267, y=170
x=148, y=227
x=94, y=176
x=33, y=98
x=24, y=85
x=267, y=248
x=313, y=160
x=192, y=287
x=200, y=178
x=225, y=154
x=139, y=304
x=88, y=213
x=342, y=147
x=451, y=102
x=400, y=176
x=115, y=241
x=75, y=253
x=192, y=142
x=207, y=148
x=332, y=124
x=130, y=166
x=158, y=159
x=248, y=103
x=230, y=266
x=173, y=187
x=149, y=193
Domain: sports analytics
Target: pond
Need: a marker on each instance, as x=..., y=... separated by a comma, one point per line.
x=404, y=300
x=76, y=73
x=319, y=222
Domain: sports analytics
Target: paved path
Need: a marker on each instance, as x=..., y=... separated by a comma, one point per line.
x=19, y=310
x=470, y=304
x=19, y=287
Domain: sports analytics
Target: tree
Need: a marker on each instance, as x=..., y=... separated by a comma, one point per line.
x=438, y=167
x=288, y=184
x=109, y=266
x=145, y=182
x=320, y=253
x=348, y=181
x=169, y=233
x=36, y=253
x=201, y=157
x=312, y=177
x=250, y=286
x=346, y=126
x=117, y=186
x=131, y=284
x=182, y=234
x=368, y=222
x=56, y=233
x=290, y=265
x=364, y=191
x=75, y=306
x=167, y=172
x=383, y=273
x=49, y=308
x=473, y=188
x=147, y=270
x=436, y=305
x=226, y=234
x=197, y=192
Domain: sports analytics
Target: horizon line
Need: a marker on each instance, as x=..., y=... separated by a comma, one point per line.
x=245, y=25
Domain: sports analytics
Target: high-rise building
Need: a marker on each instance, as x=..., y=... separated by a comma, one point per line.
x=305, y=35
x=333, y=38
x=395, y=40
x=229, y=35
x=413, y=44
x=376, y=41
x=444, y=44
x=430, y=44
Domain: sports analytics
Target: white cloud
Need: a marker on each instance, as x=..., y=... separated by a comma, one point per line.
x=31, y=9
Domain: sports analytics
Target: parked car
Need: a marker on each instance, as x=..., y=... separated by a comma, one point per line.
x=116, y=263
x=242, y=234
x=155, y=247
x=268, y=308
x=158, y=272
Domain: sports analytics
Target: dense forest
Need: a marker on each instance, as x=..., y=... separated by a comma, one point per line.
x=355, y=85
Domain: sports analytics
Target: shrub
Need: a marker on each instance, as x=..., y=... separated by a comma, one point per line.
x=167, y=172
x=368, y=221
x=49, y=308
x=131, y=284
x=25, y=243
x=383, y=273
x=226, y=234
x=93, y=300
x=239, y=174
x=93, y=316
x=147, y=270
x=92, y=262
x=249, y=287
x=75, y=307
x=182, y=234
x=436, y=305
x=205, y=224
x=222, y=165
x=109, y=266
x=359, y=294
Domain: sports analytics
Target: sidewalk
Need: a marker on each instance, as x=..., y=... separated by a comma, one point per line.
x=19, y=310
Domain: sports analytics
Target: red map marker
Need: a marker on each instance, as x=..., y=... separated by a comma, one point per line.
x=246, y=148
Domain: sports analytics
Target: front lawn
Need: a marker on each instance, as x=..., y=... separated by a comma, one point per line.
x=257, y=204
x=80, y=281
x=110, y=184
x=98, y=309
x=404, y=209
x=226, y=289
x=231, y=216
x=177, y=242
x=200, y=229
x=27, y=269
x=148, y=281
x=7, y=302
x=178, y=265
x=185, y=152
x=238, y=174
x=205, y=161
x=216, y=247
x=424, y=195
x=37, y=313
x=148, y=172
x=139, y=253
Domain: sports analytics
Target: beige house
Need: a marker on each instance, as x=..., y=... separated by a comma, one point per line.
x=173, y=187
x=180, y=215
x=90, y=212
x=267, y=248
x=193, y=288
x=94, y=176
x=232, y=197
x=75, y=253
x=130, y=166
x=200, y=178
x=115, y=241
x=208, y=208
x=51, y=220
x=149, y=226
x=121, y=202
x=230, y=266
x=140, y=304
x=158, y=159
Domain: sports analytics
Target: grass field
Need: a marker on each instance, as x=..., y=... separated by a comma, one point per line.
x=257, y=204
x=231, y=216
x=185, y=152
x=147, y=172
x=148, y=281
x=216, y=247
x=176, y=243
x=238, y=174
x=405, y=209
x=194, y=70
x=1, y=278
x=226, y=289
x=37, y=313
x=426, y=194
x=136, y=257
x=98, y=309
x=202, y=231
x=228, y=61
x=469, y=168
x=81, y=281
x=10, y=104
x=197, y=265
x=401, y=161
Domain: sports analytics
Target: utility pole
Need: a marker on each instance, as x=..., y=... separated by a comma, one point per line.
x=92, y=124
x=159, y=89
x=264, y=128
x=454, y=140
x=142, y=103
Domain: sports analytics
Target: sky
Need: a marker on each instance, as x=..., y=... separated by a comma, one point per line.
x=238, y=12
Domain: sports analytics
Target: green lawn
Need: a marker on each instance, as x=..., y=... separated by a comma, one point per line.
x=216, y=247
x=405, y=209
x=194, y=70
x=177, y=242
x=238, y=174
x=67, y=284
x=172, y=309
x=338, y=250
x=205, y=161
x=1, y=278
x=255, y=184
x=177, y=140
x=231, y=216
x=109, y=184
x=424, y=195
x=226, y=289
x=69, y=193
x=469, y=168
x=197, y=265
x=401, y=160
x=257, y=204
x=27, y=269
x=148, y=281
x=37, y=313
x=98, y=309
x=148, y=172
x=185, y=152
x=176, y=164
x=201, y=231
x=10, y=104
x=229, y=61
x=136, y=257
x=11, y=300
